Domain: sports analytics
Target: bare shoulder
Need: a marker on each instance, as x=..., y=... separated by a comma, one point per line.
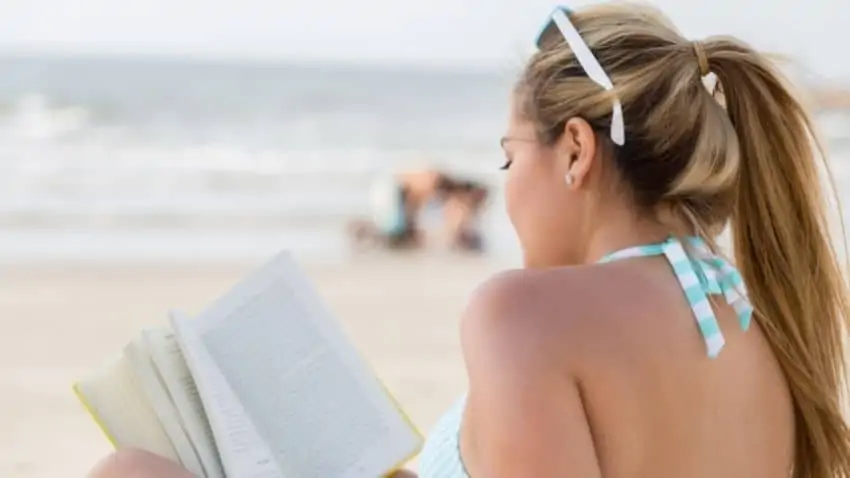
x=524, y=413
x=526, y=315
x=518, y=314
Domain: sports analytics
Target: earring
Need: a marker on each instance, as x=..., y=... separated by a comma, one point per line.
x=568, y=178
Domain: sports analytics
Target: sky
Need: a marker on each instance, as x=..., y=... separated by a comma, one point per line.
x=815, y=33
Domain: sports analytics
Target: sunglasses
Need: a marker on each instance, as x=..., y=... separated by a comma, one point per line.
x=559, y=21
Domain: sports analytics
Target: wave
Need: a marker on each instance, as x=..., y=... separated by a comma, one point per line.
x=111, y=151
x=31, y=117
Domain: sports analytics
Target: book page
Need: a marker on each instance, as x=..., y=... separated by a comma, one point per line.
x=155, y=391
x=175, y=375
x=244, y=454
x=119, y=406
x=311, y=396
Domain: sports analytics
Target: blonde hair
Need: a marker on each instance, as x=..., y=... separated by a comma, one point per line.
x=744, y=157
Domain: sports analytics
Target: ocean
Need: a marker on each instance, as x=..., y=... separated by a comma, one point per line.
x=142, y=159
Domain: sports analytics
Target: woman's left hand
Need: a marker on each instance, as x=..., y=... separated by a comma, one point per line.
x=403, y=474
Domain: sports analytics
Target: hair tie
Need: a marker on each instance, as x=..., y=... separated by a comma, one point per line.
x=702, y=58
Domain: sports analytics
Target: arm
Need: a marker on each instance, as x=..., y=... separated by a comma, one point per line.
x=524, y=414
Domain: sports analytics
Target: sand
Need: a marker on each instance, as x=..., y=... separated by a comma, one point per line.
x=60, y=321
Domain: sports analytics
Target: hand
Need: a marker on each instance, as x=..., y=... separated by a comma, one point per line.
x=403, y=474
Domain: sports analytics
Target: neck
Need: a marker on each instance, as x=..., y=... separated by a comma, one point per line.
x=617, y=235
x=620, y=230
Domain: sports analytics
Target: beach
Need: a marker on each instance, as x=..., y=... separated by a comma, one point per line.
x=131, y=186
x=62, y=321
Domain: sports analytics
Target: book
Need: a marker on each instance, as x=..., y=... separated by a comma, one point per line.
x=263, y=383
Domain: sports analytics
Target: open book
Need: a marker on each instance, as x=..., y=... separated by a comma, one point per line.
x=262, y=384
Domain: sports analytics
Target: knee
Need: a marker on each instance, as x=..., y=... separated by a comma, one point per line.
x=131, y=463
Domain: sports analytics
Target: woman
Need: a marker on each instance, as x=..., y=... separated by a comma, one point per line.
x=625, y=348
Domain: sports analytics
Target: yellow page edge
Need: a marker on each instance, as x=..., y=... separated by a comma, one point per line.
x=81, y=398
x=398, y=466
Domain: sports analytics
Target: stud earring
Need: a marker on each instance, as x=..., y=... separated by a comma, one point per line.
x=568, y=178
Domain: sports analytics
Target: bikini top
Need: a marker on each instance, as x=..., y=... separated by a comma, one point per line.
x=701, y=273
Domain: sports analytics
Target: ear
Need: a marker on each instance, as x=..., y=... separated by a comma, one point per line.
x=577, y=150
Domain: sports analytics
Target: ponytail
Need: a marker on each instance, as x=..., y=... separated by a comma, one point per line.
x=782, y=246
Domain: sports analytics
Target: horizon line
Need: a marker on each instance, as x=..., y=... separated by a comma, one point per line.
x=508, y=63
x=451, y=64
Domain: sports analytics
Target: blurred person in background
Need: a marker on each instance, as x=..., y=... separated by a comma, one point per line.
x=462, y=208
x=398, y=203
x=628, y=346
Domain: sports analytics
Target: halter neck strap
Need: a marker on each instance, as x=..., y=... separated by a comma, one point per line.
x=701, y=273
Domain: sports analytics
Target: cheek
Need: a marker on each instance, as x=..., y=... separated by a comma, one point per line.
x=527, y=191
x=514, y=181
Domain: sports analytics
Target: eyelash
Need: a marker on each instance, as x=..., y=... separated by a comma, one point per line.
x=507, y=165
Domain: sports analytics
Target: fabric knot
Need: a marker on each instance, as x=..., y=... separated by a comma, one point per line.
x=701, y=273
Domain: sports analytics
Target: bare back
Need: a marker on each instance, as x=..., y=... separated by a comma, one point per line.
x=656, y=404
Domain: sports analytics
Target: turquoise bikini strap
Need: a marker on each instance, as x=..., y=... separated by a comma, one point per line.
x=701, y=274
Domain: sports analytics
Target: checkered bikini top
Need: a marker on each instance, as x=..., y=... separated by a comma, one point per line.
x=700, y=272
